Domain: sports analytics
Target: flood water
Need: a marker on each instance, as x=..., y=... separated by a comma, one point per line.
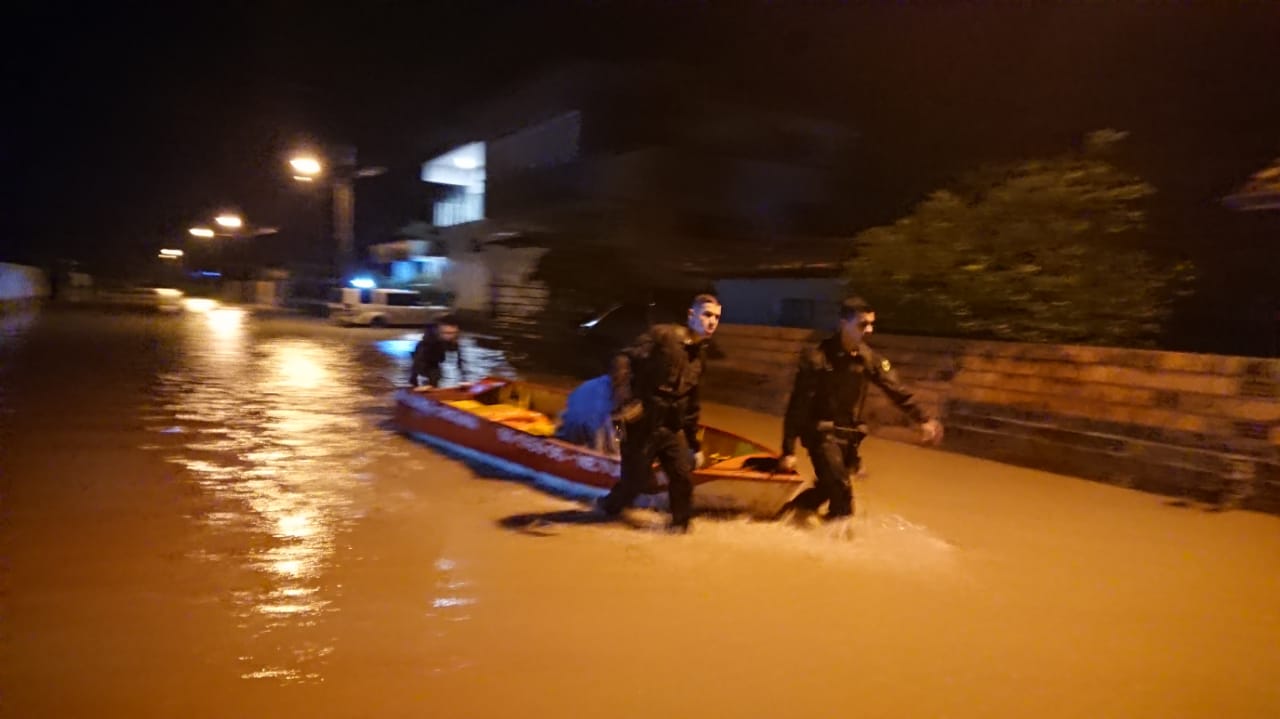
x=208, y=515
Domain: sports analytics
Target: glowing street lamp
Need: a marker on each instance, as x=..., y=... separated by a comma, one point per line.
x=235, y=229
x=171, y=253
x=230, y=229
x=341, y=172
x=306, y=166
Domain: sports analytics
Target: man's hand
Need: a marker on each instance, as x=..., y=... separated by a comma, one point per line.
x=931, y=432
x=787, y=463
x=628, y=413
x=699, y=459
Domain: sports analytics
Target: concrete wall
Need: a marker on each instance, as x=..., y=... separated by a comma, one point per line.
x=20, y=286
x=1205, y=427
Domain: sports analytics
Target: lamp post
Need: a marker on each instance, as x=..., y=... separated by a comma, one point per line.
x=172, y=264
x=341, y=172
x=229, y=221
x=230, y=225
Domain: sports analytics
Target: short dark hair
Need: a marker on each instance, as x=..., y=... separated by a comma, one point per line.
x=703, y=299
x=854, y=306
x=447, y=320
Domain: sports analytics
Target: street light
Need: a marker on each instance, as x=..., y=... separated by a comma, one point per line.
x=230, y=229
x=306, y=166
x=342, y=172
x=233, y=227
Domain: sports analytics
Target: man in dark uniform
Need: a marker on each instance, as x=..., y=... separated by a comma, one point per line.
x=438, y=339
x=655, y=403
x=825, y=410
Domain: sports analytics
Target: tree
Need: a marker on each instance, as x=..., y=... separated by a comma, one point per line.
x=1038, y=251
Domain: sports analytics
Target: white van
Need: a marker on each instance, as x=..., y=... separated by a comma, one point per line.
x=383, y=308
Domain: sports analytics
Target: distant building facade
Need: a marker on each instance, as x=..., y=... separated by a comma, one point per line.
x=630, y=161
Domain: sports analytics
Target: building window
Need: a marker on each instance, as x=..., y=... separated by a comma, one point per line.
x=459, y=205
x=461, y=172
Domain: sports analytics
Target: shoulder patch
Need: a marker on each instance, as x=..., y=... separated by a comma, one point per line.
x=884, y=365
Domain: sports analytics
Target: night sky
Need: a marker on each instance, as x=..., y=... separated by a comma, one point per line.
x=128, y=126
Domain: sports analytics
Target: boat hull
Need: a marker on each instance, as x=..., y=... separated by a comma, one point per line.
x=727, y=486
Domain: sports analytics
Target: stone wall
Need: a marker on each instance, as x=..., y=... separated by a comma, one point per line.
x=1204, y=427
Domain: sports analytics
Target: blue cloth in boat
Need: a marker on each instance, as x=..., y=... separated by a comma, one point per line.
x=586, y=417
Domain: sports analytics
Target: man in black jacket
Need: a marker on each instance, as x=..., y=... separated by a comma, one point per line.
x=655, y=403
x=825, y=410
x=438, y=339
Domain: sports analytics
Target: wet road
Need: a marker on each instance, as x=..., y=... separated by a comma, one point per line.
x=207, y=516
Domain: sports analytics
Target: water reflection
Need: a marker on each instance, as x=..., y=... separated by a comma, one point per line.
x=226, y=322
x=451, y=591
x=480, y=361
x=12, y=326
x=287, y=565
x=280, y=429
x=272, y=428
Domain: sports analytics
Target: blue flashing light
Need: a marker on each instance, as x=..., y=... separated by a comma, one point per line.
x=363, y=283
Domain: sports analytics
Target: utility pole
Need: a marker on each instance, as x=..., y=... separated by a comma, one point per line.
x=342, y=172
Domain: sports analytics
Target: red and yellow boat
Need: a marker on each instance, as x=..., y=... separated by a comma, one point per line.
x=510, y=425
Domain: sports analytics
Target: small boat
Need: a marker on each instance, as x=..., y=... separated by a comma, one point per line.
x=508, y=424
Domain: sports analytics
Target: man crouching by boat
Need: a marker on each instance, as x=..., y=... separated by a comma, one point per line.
x=439, y=338
x=655, y=404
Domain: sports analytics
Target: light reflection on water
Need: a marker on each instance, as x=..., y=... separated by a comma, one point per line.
x=13, y=326
x=314, y=551
x=275, y=437
x=450, y=592
x=278, y=430
x=480, y=361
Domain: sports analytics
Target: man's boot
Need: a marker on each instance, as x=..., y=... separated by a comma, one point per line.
x=605, y=507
